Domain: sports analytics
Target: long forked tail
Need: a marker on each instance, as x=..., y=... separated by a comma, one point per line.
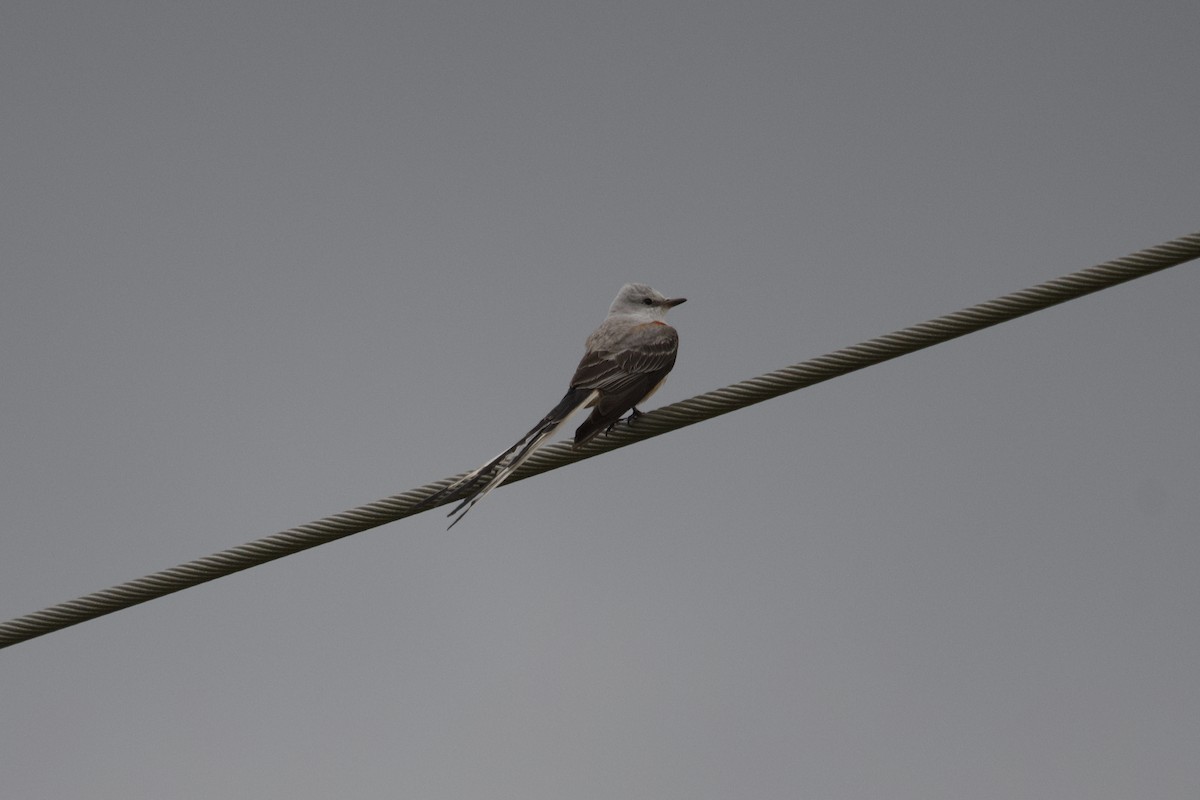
x=477, y=484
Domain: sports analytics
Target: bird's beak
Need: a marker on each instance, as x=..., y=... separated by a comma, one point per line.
x=674, y=301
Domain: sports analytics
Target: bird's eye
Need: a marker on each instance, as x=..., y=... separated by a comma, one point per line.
x=647, y=301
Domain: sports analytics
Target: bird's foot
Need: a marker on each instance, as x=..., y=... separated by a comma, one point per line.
x=633, y=415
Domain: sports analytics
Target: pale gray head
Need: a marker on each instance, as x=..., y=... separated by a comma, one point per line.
x=638, y=299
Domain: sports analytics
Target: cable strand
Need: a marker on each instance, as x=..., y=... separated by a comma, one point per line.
x=655, y=423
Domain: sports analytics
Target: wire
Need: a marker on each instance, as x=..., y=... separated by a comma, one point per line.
x=655, y=423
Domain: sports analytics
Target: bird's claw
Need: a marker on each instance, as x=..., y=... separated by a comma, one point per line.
x=633, y=415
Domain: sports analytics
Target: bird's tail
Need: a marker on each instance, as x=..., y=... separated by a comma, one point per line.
x=477, y=484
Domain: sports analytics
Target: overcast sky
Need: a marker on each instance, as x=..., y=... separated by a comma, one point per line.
x=261, y=262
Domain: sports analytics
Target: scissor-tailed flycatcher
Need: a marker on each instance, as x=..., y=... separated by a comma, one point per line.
x=627, y=359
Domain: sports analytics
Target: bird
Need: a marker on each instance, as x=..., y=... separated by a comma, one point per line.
x=625, y=361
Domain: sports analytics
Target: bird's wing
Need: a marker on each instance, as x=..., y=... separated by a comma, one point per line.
x=636, y=364
x=616, y=361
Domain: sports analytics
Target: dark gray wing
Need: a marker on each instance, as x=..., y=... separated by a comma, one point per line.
x=624, y=367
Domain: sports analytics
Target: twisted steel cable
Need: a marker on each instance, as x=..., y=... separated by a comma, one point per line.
x=655, y=423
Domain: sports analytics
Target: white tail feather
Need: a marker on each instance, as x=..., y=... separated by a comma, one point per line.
x=524, y=449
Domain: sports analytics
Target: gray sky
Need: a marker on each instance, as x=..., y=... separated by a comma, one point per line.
x=262, y=262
